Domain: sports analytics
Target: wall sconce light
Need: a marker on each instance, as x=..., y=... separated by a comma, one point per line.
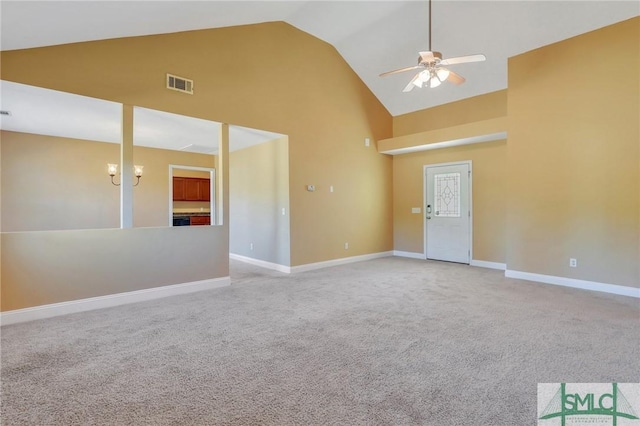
x=113, y=169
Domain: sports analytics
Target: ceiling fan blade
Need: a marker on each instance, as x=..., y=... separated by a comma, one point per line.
x=410, y=86
x=384, y=74
x=463, y=59
x=455, y=78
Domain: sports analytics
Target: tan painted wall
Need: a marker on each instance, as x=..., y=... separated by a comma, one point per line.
x=489, y=173
x=258, y=191
x=258, y=76
x=567, y=183
x=116, y=261
x=574, y=165
x=321, y=104
x=473, y=132
x=53, y=183
x=477, y=108
x=489, y=197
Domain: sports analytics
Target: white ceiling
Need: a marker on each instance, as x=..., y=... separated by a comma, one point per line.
x=372, y=36
x=49, y=112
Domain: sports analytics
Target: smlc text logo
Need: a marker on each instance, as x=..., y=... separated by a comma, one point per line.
x=577, y=404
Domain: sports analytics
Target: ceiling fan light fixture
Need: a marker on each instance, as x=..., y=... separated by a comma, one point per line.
x=423, y=77
x=443, y=74
x=430, y=62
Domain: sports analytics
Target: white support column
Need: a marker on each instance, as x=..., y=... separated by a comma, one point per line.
x=222, y=178
x=126, y=168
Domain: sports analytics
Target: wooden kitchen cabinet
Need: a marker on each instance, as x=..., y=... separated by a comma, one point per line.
x=205, y=190
x=191, y=189
x=178, y=189
x=200, y=220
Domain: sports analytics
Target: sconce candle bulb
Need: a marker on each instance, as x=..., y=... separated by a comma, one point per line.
x=137, y=171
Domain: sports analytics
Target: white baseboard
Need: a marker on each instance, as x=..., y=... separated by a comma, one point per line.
x=342, y=261
x=108, y=301
x=490, y=265
x=409, y=254
x=261, y=263
x=571, y=282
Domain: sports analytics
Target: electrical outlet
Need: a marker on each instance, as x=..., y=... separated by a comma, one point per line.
x=251, y=246
x=367, y=141
x=346, y=246
x=573, y=262
x=331, y=188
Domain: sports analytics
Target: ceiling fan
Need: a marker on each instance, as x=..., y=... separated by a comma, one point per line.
x=431, y=64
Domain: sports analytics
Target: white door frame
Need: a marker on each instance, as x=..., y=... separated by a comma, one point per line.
x=424, y=203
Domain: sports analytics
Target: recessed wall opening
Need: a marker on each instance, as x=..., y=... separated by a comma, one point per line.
x=192, y=196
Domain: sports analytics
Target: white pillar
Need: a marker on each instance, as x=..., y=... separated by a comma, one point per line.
x=222, y=175
x=126, y=168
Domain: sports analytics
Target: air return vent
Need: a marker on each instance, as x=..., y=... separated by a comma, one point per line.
x=180, y=84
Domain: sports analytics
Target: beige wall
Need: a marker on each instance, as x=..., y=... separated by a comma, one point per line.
x=54, y=183
x=489, y=174
x=40, y=268
x=477, y=108
x=573, y=153
x=488, y=194
x=322, y=105
x=567, y=182
x=258, y=191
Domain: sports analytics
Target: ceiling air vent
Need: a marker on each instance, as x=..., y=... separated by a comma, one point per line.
x=180, y=84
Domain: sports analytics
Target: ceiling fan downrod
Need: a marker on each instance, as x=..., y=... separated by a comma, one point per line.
x=430, y=50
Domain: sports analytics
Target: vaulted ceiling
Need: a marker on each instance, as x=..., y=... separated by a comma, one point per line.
x=372, y=36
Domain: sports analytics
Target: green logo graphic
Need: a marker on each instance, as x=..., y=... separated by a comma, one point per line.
x=610, y=404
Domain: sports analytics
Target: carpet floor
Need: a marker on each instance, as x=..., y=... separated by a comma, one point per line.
x=390, y=341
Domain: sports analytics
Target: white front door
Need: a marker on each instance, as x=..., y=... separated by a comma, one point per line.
x=448, y=212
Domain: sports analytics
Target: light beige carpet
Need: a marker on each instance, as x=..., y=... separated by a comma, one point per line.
x=386, y=342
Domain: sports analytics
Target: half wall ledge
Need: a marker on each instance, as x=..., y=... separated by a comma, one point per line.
x=464, y=134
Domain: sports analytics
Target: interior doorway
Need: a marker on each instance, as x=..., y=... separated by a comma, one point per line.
x=448, y=213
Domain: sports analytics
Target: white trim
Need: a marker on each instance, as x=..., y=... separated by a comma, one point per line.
x=447, y=144
x=261, y=263
x=571, y=282
x=108, y=301
x=409, y=254
x=425, y=168
x=490, y=265
x=342, y=261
